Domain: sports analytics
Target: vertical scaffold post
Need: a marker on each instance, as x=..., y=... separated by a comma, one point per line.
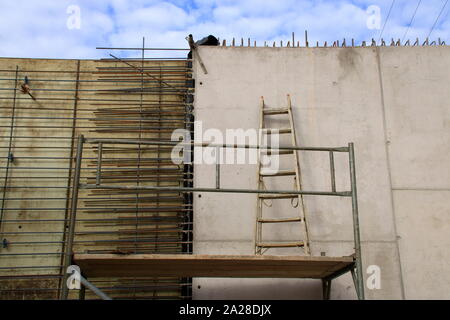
x=73, y=213
x=356, y=233
x=326, y=289
x=217, y=167
x=332, y=172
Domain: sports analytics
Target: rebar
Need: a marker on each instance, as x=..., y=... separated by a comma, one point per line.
x=44, y=137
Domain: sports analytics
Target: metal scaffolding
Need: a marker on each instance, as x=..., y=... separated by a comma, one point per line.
x=79, y=184
x=117, y=192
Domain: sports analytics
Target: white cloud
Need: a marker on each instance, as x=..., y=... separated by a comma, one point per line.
x=38, y=28
x=156, y=18
x=226, y=13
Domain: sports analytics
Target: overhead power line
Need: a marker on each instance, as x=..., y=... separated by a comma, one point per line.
x=435, y=22
x=387, y=18
x=412, y=19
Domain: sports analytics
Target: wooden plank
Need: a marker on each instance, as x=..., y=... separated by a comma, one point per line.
x=251, y=266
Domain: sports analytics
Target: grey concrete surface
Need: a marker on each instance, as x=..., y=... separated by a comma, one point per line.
x=393, y=103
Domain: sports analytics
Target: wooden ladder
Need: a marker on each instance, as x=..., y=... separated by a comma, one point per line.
x=262, y=246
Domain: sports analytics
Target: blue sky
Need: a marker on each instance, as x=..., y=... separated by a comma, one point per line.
x=39, y=28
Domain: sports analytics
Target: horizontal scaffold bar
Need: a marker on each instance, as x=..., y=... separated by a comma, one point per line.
x=213, y=145
x=185, y=189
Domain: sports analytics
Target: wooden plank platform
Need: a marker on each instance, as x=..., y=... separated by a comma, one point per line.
x=245, y=266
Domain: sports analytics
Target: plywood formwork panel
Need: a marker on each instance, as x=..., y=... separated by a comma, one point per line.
x=74, y=97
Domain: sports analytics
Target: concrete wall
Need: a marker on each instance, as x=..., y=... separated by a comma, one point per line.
x=392, y=102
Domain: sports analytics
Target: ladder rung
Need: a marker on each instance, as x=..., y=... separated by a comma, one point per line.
x=274, y=130
x=280, y=220
x=278, y=173
x=269, y=112
x=280, y=244
x=270, y=152
x=278, y=196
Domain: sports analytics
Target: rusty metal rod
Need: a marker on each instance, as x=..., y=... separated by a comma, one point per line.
x=73, y=211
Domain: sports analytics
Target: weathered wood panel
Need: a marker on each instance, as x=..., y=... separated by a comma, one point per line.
x=255, y=266
x=97, y=99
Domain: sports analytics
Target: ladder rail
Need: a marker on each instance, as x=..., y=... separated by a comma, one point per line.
x=298, y=180
x=258, y=226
